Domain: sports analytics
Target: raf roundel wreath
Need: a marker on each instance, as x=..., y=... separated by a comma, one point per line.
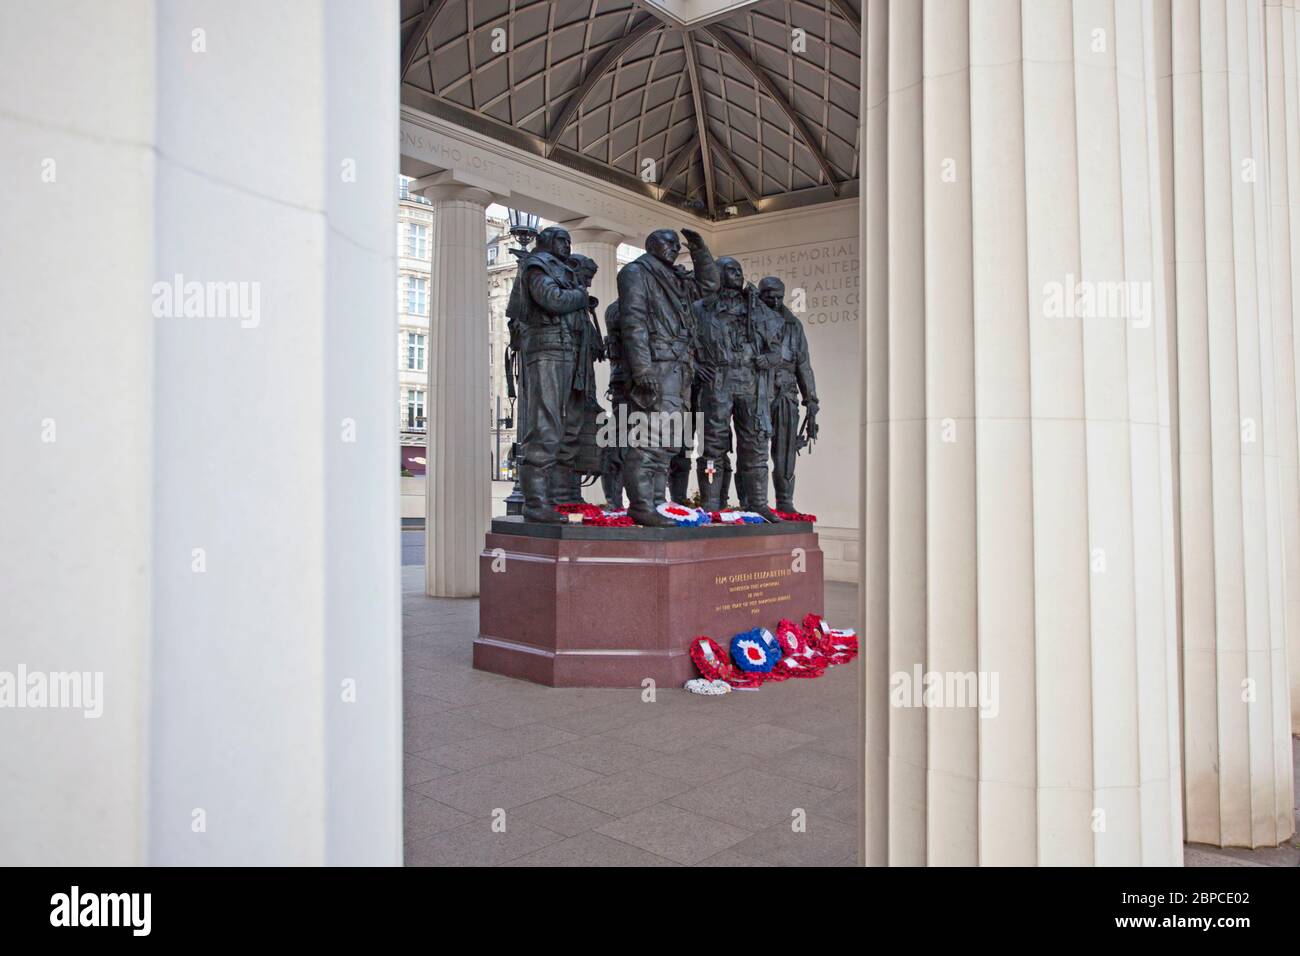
x=756, y=651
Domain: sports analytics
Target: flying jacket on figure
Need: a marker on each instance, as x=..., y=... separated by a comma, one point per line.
x=658, y=340
x=548, y=306
x=611, y=456
x=794, y=381
x=739, y=342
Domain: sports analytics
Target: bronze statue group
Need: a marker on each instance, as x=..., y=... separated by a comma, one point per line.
x=683, y=344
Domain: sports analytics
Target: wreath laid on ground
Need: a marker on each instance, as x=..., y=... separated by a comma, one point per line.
x=800, y=657
x=838, y=646
x=708, y=688
x=712, y=663
x=755, y=651
x=759, y=656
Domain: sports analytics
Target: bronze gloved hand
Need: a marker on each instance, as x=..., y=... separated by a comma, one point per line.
x=693, y=240
x=645, y=389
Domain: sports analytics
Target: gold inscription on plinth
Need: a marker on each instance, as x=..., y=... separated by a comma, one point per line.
x=755, y=590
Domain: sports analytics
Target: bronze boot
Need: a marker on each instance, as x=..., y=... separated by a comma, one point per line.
x=710, y=488
x=611, y=480
x=640, y=484
x=753, y=490
x=679, y=485
x=784, y=493
x=560, y=484
x=535, y=482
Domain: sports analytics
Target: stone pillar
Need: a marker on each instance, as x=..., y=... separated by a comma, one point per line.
x=602, y=246
x=1235, y=593
x=1283, y=97
x=76, y=421
x=1017, y=457
x=276, y=699
x=458, y=503
x=363, y=623
x=214, y=494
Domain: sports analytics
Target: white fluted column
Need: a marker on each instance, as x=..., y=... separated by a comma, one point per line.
x=601, y=245
x=458, y=504
x=218, y=460
x=1283, y=97
x=1017, y=460
x=1235, y=691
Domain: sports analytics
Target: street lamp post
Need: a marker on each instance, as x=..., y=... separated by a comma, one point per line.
x=503, y=422
x=523, y=226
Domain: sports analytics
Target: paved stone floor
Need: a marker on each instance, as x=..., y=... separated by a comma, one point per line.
x=601, y=778
x=1198, y=854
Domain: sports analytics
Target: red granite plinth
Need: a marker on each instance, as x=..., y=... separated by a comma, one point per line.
x=579, y=606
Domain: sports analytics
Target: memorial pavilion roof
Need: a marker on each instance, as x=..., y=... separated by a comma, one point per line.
x=720, y=104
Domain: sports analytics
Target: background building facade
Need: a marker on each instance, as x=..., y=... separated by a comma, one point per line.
x=415, y=218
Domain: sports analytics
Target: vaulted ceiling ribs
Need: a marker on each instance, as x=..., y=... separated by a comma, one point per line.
x=759, y=104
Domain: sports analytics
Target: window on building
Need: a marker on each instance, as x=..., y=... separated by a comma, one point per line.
x=417, y=240
x=415, y=351
x=492, y=253
x=417, y=295
x=404, y=191
x=414, y=412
